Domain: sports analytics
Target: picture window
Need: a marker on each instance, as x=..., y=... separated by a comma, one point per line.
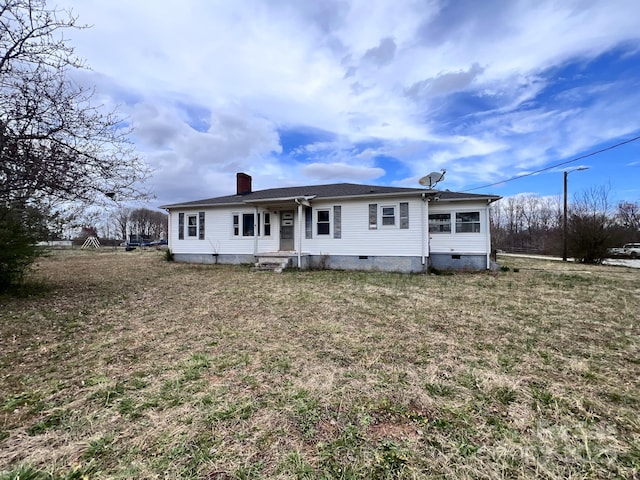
x=468, y=222
x=440, y=223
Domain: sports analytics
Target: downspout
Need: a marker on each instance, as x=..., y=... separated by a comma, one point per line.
x=488, y=228
x=422, y=235
x=299, y=232
x=169, y=239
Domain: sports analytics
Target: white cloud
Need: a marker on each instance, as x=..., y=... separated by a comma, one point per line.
x=364, y=71
x=329, y=171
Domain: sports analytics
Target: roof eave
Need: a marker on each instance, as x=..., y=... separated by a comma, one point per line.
x=378, y=195
x=411, y=193
x=490, y=198
x=199, y=205
x=280, y=199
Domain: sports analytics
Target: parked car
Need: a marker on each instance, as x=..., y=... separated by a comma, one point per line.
x=627, y=250
x=139, y=244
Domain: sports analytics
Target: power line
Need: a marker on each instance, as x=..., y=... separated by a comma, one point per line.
x=611, y=147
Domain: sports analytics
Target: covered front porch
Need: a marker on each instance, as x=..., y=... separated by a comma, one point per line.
x=287, y=230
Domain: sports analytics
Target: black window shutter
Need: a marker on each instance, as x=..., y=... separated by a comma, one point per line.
x=337, y=221
x=181, y=226
x=404, y=215
x=201, y=225
x=373, y=216
x=308, y=222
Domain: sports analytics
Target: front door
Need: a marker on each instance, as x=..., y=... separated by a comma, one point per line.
x=286, y=231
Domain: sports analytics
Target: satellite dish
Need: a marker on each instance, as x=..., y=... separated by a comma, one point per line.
x=432, y=179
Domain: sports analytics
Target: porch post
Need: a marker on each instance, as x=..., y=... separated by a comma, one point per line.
x=424, y=230
x=488, y=234
x=256, y=226
x=299, y=234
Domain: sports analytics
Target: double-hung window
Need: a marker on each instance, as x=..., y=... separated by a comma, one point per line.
x=192, y=225
x=468, y=222
x=388, y=216
x=323, y=222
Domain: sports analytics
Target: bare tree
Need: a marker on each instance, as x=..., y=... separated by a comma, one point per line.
x=527, y=223
x=121, y=218
x=148, y=223
x=628, y=217
x=55, y=143
x=591, y=225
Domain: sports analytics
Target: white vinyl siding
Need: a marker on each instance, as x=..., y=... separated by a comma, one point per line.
x=223, y=233
x=362, y=234
x=356, y=237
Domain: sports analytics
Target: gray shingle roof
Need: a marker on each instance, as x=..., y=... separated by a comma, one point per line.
x=334, y=190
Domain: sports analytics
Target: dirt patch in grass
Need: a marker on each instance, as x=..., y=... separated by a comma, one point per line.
x=132, y=367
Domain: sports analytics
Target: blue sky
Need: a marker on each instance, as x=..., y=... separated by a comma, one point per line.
x=382, y=92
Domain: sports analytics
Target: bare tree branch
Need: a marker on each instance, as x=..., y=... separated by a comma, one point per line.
x=54, y=142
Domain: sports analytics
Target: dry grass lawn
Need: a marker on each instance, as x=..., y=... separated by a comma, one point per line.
x=122, y=365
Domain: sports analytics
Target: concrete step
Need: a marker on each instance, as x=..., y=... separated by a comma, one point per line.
x=271, y=264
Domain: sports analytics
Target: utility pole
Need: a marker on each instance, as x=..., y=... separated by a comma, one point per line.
x=564, y=226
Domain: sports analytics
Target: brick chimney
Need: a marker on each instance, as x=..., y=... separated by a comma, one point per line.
x=243, y=183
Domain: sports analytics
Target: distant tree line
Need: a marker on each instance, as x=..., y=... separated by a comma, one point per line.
x=122, y=223
x=140, y=221
x=535, y=224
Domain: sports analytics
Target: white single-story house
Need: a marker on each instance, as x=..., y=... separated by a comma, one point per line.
x=343, y=226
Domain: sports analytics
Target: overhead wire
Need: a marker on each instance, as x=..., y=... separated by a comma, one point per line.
x=581, y=157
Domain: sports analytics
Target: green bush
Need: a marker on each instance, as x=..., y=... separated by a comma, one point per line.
x=18, y=247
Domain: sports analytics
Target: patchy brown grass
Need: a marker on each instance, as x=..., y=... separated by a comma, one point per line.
x=132, y=367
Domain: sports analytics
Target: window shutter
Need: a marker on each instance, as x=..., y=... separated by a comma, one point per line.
x=308, y=222
x=201, y=225
x=404, y=215
x=373, y=216
x=337, y=221
x=181, y=226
